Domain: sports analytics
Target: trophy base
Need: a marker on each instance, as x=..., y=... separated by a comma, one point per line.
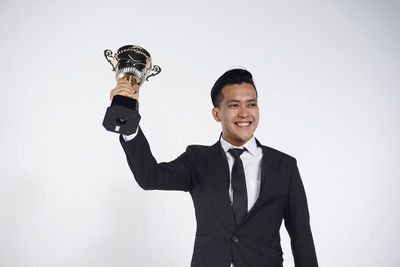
x=122, y=116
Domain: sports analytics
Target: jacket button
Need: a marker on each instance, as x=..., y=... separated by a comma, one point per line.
x=235, y=239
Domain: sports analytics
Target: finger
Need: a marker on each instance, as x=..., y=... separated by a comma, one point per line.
x=123, y=92
x=124, y=89
x=136, y=88
x=123, y=82
x=127, y=87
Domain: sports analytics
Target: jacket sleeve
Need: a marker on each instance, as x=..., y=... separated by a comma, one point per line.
x=150, y=175
x=297, y=222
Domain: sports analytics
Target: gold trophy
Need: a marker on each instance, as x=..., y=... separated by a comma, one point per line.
x=132, y=63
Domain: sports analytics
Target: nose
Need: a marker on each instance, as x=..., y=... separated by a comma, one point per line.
x=243, y=112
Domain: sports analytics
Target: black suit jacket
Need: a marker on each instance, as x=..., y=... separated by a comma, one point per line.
x=203, y=172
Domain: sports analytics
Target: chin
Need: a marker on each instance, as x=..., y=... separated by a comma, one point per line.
x=247, y=138
x=244, y=138
x=239, y=135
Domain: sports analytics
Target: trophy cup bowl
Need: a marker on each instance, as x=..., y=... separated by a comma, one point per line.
x=132, y=63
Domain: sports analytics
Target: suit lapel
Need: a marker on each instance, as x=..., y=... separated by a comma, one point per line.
x=264, y=163
x=218, y=186
x=266, y=170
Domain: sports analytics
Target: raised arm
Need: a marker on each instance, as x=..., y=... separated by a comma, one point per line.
x=150, y=175
x=174, y=175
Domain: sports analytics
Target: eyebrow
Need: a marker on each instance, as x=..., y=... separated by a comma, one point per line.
x=238, y=101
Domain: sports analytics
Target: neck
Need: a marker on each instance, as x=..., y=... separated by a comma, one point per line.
x=235, y=142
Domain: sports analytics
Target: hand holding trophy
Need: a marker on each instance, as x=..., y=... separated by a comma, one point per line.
x=125, y=88
x=133, y=64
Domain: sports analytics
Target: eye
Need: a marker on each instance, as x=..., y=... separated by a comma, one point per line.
x=233, y=105
x=253, y=105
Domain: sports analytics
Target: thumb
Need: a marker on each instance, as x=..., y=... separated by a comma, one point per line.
x=135, y=88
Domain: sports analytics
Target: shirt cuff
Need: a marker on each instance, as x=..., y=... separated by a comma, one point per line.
x=131, y=136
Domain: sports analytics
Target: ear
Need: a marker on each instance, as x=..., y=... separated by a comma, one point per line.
x=215, y=113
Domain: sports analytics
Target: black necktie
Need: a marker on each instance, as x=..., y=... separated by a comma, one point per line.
x=238, y=185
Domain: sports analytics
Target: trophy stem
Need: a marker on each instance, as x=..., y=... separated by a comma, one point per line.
x=130, y=78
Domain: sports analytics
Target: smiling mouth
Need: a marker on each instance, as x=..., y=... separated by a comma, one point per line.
x=243, y=124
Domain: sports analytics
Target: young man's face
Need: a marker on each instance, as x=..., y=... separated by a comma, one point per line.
x=238, y=113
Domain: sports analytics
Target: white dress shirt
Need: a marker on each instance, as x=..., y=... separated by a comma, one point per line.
x=251, y=159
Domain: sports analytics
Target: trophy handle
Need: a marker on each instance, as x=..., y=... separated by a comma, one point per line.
x=109, y=54
x=156, y=70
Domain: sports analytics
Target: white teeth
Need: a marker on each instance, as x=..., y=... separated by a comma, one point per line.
x=243, y=124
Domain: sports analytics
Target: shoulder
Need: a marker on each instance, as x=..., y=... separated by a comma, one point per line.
x=197, y=148
x=278, y=155
x=205, y=150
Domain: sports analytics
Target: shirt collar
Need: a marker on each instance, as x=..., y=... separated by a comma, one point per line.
x=250, y=145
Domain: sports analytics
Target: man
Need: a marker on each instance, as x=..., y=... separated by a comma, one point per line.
x=241, y=190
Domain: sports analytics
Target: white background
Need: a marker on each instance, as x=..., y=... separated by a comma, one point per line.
x=327, y=74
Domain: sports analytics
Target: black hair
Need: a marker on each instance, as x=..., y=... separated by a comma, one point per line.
x=233, y=76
